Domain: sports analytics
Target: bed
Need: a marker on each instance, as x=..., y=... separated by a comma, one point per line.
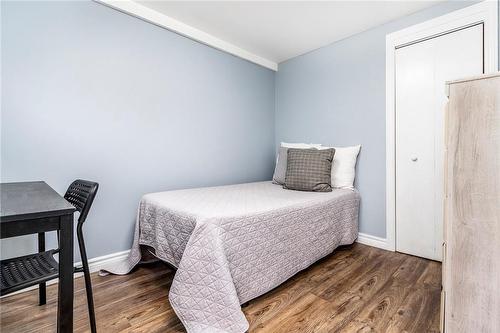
x=233, y=243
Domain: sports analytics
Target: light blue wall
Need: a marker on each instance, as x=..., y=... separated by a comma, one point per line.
x=336, y=96
x=89, y=92
x=93, y=93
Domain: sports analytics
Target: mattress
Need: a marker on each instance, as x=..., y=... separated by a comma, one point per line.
x=234, y=243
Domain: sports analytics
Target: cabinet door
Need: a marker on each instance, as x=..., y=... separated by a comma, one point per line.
x=472, y=265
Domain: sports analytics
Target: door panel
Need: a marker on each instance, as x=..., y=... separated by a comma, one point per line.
x=421, y=71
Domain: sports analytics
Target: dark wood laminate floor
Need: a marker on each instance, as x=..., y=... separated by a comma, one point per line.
x=356, y=289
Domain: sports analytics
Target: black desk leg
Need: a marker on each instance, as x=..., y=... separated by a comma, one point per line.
x=65, y=302
x=42, y=287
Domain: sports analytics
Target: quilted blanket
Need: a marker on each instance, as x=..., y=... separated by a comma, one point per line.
x=234, y=243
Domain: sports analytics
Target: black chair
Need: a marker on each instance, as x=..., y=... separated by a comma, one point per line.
x=22, y=272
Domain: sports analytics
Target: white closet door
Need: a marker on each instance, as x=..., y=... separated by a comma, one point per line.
x=421, y=71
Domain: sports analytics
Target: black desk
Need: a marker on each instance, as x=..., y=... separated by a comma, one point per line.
x=33, y=207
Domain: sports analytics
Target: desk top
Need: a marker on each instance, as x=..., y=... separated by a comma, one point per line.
x=31, y=200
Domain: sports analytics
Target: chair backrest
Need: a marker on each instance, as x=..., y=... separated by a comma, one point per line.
x=81, y=194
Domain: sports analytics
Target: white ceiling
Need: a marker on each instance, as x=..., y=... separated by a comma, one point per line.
x=280, y=30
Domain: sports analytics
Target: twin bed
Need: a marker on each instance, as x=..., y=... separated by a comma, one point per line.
x=233, y=243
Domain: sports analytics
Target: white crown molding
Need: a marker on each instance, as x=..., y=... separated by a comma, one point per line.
x=149, y=15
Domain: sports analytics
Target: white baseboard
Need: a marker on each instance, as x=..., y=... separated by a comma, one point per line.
x=374, y=241
x=95, y=265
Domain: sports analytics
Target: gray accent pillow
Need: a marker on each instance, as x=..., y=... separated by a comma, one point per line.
x=309, y=170
x=280, y=169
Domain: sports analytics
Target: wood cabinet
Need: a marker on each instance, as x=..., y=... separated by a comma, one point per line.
x=471, y=249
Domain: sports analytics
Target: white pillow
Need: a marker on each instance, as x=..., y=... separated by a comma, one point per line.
x=344, y=166
x=301, y=145
x=298, y=146
x=280, y=168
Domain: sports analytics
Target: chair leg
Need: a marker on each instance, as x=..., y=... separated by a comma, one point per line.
x=42, y=287
x=86, y=275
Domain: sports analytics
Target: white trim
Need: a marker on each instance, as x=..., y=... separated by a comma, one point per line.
x=164, y=21
x=374, y=241
x=95, y=265
x=485, y=12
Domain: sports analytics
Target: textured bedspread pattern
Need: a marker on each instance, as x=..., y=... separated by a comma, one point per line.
x=234, y=243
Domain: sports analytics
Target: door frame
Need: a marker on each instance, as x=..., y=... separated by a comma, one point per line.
x=485, y=12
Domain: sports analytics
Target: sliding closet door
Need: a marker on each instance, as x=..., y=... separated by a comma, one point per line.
x=421, y=71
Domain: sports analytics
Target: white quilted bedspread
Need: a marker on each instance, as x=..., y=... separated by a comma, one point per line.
x=234, y=243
